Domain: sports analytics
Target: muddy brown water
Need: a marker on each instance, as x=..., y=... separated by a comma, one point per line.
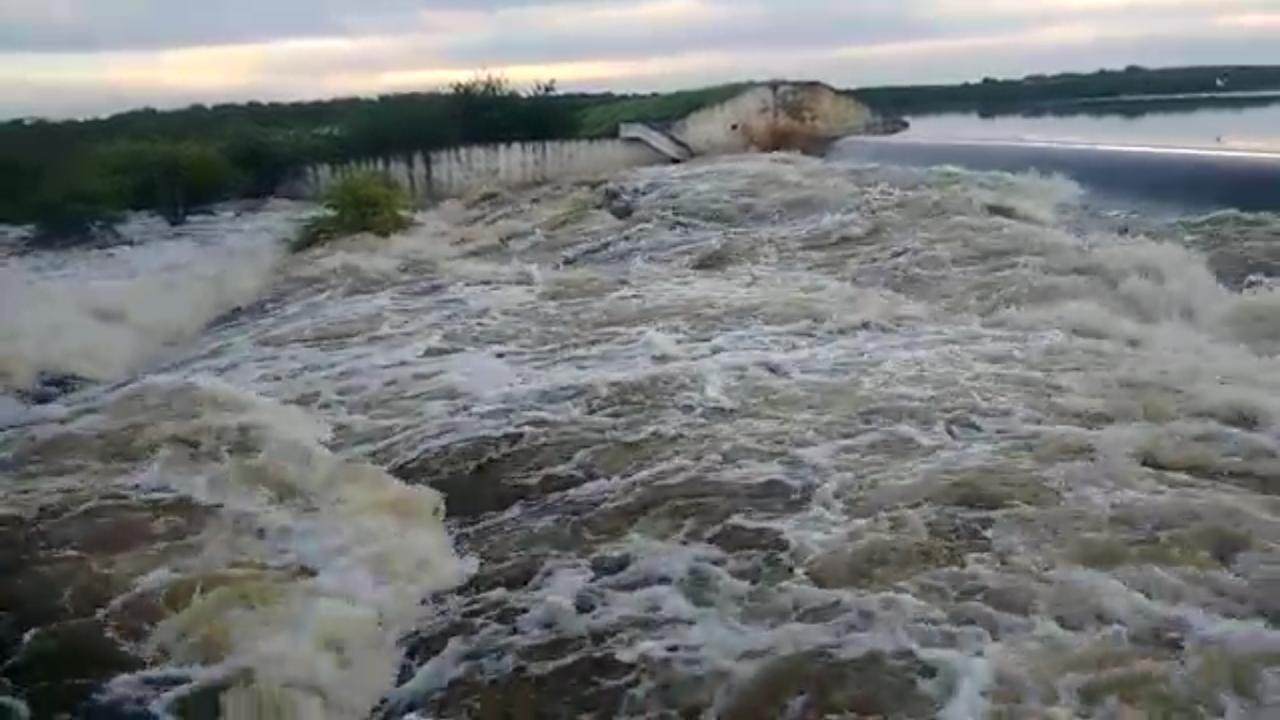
x=794, y=439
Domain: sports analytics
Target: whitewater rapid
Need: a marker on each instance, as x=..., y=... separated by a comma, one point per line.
x=796, y=438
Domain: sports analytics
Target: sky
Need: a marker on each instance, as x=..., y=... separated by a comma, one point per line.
x=71, y=58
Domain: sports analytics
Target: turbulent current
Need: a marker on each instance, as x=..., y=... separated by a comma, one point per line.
x=791, y=439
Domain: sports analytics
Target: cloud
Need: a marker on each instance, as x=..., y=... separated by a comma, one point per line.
x=1252, y=21
x=56, y=54
x=102, y=25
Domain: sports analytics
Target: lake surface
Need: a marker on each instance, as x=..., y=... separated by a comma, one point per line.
x=1235, y=128
x=1193, y=159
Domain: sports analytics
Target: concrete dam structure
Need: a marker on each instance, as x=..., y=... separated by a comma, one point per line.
x=803, y=116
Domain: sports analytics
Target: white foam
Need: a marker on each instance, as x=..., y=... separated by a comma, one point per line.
x=481, y=374
x=352, y=552
x=872, y=341
x=17, y=708
x=104, y=314
x=662, y=346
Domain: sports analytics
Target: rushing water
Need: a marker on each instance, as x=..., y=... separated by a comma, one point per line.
x=795, y=439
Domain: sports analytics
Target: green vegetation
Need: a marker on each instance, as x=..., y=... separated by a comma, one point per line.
x=72, y=178
x=364, y=202
x=602, y=119
x=992, y=96
x=170, y=178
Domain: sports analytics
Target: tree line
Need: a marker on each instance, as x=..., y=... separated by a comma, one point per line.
x=68, y=178
x=998, y=96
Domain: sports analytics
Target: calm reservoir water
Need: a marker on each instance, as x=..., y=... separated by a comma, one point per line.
x=1254, y=128
x=1207, y=159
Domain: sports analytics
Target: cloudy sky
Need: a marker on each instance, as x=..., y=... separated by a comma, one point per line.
x=77, y=57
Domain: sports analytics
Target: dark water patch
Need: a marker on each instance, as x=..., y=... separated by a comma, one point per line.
x=492, y=473
x=819, y=685
x=879, y=563
x=61, y=666
x=734, y=538
x=51, y=387
x=590, y=686
x=1241, y=248
x=693, y=507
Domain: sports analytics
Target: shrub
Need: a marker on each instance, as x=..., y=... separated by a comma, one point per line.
x=169, y=178
x=72, y=205
x=265, y=158
x=363, y=202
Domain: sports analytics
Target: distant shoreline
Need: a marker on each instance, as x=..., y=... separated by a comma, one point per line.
x=1244, y=94
x=1131, y=106
x=1171, y=87
x=72, y=178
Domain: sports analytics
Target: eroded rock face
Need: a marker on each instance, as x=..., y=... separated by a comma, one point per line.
x=781, y=116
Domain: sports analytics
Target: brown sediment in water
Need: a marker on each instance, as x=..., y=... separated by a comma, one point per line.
x=788, y=437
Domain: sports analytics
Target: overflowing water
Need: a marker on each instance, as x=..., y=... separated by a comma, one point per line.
x=795, y=439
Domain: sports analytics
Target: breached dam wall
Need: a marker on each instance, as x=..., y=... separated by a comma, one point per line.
x=806, y=116
x=802, y=116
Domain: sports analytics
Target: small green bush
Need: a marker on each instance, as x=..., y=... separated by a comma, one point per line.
x=74, y=204
x=169, y=178
x=363, y=202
